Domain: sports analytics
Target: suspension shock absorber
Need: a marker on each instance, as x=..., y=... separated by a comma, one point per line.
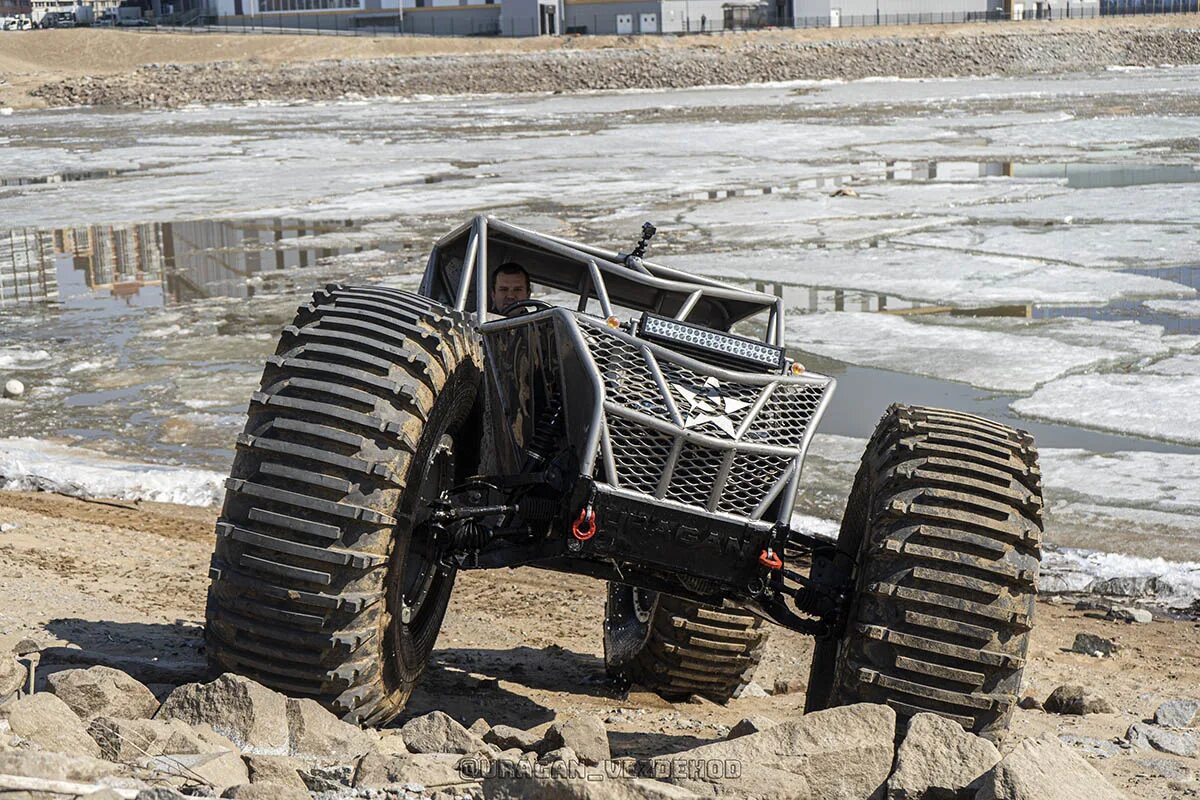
x=546, y=431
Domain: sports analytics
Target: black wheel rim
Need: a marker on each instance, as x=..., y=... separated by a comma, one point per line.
x=422, y=566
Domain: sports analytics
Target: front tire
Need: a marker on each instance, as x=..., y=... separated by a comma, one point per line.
x=325, y=578
x=679, y=648
x=941, y=541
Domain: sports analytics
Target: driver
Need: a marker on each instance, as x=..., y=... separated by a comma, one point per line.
x=510, y=284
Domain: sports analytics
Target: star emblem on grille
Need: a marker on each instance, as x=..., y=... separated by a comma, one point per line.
x=706, y=403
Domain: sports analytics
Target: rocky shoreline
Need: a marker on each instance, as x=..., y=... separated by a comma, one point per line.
x=99, y=733
x=752, y=61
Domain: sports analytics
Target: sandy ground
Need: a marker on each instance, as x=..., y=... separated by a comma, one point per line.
x=519, y=647
x=29, y=59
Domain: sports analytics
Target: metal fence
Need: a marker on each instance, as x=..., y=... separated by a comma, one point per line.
x=448, y=25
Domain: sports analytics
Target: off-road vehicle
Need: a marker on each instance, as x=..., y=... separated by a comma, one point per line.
x=400, y=437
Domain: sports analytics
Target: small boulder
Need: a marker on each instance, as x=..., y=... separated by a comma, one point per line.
x=431, y=770
x=130, y=740
x=1031, y=703
x=103, y=691
x=265, y=791
x=1126, y=614
x=938, y=759
x=1146, y=737
x=438, y=732
x=750, y=725
x=788, y=686
x=505, y=737
x=315, y=732
x=391, y=743
x=752, y=689
x=218, y=770
x=479, y=727
x=580, y=784
x=254, y=717
x=586, y=735
x=842, y=753
x=1040, y=769
x=49, y=723
x=1178, y=714
x=281, y=771
x=56, y=766
x=12, y=677
x=559, y=754
x=1089, y=644
x=1076, y=700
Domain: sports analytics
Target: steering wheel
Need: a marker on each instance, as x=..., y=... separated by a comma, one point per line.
x=530, y=303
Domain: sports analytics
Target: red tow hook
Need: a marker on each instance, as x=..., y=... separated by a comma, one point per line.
x=584, y=527
x=770, y=560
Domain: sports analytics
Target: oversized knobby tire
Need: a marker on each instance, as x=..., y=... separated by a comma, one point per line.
x=323, y=580
x=942, y=541
x=678, y=648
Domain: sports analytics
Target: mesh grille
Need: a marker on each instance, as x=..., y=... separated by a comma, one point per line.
x=716, y=408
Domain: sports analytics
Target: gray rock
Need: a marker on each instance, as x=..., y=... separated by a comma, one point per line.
x=1146, y=737
x=938, y=759
x=842, y=753
x=1076, y=700
x=505, y=737
x=1045, y=769
x=788, y=686
x=254, y=717
x=1091, y=645
x=1178, y=714
x=49, y=723
x=1089, y=746
x=329, y=777
x=1167, y=768
x=218, y=770
x=391, y=743
x=752, y=689
x=315, y=732
x=438, y=732
x=479, y=727
x=1031, y=703
x=103, y=691
x=586, y=735
x=160, y=793
x=1125, y=614
x=749, y=725
x=275, y=771
x=430, y=770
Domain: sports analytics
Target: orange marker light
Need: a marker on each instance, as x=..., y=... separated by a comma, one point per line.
x=613, y=322
x=797, y=368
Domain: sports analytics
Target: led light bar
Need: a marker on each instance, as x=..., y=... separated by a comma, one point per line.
x=725, y=344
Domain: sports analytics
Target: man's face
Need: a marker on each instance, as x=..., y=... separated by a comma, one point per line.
x=508, y=289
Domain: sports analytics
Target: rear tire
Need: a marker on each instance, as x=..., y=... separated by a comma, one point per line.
x=942, y=540
x=679, y=648
x=324, y=580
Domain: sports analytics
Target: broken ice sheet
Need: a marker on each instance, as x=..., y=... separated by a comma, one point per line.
x=947, y=277
x=1180, y=308
x=1006, y=358
x=1140, y=404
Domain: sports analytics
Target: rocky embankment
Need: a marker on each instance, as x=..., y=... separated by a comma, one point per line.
x=99, y=733
x=753, y=61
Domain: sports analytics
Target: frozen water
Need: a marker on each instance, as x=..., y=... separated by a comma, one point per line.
x=36, y=465
x=1153, y=405
x=1080, y=570
x=1017, y=359
x=1182, y=308
x=941, y=276
x=18, y=358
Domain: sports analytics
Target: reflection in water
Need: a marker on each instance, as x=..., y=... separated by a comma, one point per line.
x=1076, y=175
x=818, y=299
x=169, y=262
x=27, y=267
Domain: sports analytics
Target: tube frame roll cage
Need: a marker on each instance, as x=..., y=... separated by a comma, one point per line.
x=549, y=516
